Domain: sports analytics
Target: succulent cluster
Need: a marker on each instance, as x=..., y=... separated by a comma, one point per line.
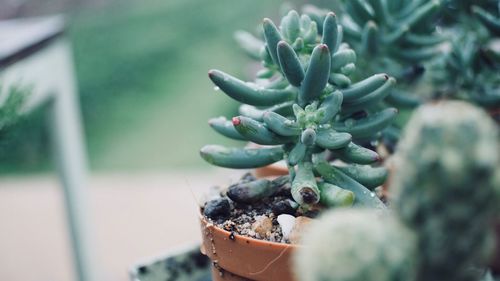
x=434, y=48
x=307, y=108
x=461, y=11
x=469, y=70
x=445, y=200
x=397, y=34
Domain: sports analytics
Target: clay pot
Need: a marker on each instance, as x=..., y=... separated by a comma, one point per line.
x=273, y=170
x=237, y=257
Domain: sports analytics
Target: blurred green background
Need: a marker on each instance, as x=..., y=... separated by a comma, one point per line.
x=142, y=73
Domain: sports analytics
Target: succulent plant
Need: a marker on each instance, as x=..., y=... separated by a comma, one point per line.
x=446, y=193
x=399, y=37
x=461, y=11
x=444, y=188
x=356, y=245
x=470, y=72
x=397, y=34
x=468, y=68
x=307, y=108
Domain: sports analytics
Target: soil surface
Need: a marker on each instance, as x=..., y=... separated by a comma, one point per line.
x=240, y=218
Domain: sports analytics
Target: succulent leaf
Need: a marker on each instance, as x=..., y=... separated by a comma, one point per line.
x=251, y=192
x=354, y=153
x=329, y=107
x=225, y=128
x=363, y=196
x=370, y=177
x=273, y=37
x=249, y=93
x=240, y=158
x=364, y=87
x=334, y=196
x=330, y=139
x=330, y=32
x=290, y=64
x=281, y=125
x=316, y=75
x=368, y=126
x=297, y=154
x=305, y=190
x=257, y=132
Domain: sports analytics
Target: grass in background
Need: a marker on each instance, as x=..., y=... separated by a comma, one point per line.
x=142, y=69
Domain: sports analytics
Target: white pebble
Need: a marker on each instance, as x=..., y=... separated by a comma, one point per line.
x=286, y=223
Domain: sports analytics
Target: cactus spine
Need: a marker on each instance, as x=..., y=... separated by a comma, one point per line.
x=303, y=106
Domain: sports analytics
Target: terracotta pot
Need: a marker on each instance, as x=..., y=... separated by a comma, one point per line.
x=237, y=257
x=273, y=170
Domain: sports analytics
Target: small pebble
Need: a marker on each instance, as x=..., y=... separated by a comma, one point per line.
x=284, y=207
x=262, y=226
x=247, y=177
x=298, y=228
x=217, y=208
x=286, y=223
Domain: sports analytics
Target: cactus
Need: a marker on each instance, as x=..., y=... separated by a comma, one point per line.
x=444, y=188
x=306, y=107
x=356, y=245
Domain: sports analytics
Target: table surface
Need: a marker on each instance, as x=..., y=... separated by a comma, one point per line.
x=135, y=216
x=22, y=37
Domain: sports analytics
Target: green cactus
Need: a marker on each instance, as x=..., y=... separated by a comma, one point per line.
x=444, y=188
x=356, y=245
x=306, y=107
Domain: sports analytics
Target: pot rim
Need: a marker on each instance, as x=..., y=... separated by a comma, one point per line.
x=254, y=241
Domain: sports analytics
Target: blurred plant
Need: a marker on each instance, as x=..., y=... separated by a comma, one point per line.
x=306, y=106
x=395, y=35
x=356, y=245
x=469, y=70
x=23, y=135
x=445, y=199
x=400, y=37
x=461, y=11
x=11, y=102
x=444, y=188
